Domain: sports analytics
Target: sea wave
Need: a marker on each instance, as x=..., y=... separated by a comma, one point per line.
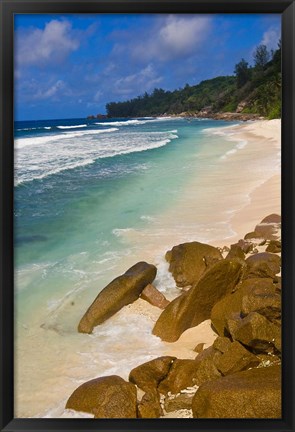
x=123, y=123
x=135, y=122
x=40, y=157
x=45, y=139
x=72, y=127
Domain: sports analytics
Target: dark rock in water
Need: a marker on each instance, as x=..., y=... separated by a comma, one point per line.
x=154, y=297
x=230, y=306
x=235, y=252
x=120, y=292
x=188, y=261
x=255, y=393
x=236, y=359
x=195, y=305
x=105, y=397
x=181, y=375
x=274, y=246
x=148, y=375
x=273, y=218
x=149, y=406
x=263, y=265
x=258, y=333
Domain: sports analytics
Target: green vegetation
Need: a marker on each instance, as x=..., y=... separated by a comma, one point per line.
x=253, y=89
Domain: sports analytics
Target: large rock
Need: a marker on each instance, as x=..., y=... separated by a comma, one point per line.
x=255, y=393
x=149, y=406
x=235, y=252
x=265, y=302
x=148, y=375
x=230, y=306
x=236, y=359
x=264, y=265
x=272, y=218
x=269, y=227
x=195, y=305
x=222, y=344
x=105, y=397
x=179, y=402
x=154, y=297
x=258, y=333
x=120, y=292
x=188, y=261
x=274, y=246
x=181, y=375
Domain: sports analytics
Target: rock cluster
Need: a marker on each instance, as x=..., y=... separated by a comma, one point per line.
x=239, y=376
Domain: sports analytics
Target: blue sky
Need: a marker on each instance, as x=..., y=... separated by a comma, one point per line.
x=69, y=66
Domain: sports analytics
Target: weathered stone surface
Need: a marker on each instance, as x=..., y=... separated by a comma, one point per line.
x=222, y=344
x=236, y=359
x=149, y=406
x=246, y=246
x=254, y=393
x=258, y=333
x=263, y=265
x=253, y=235
x=195, y=305
x=105, y=397
x=154, y=297
x=148, y=375
x=182, y=401
x=188, y=261
x=235, y=252
x=121, y=291
x=181, y=375
x=208, y=353
x=206, y=371
x=268, y=230
x=265, y=302
x=272, y=218
x=230, y=306
x=274, y=246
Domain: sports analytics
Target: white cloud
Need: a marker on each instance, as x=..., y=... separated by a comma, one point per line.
x=175, y=36
x=46, y=46
x=136, y=83
x=271, y=38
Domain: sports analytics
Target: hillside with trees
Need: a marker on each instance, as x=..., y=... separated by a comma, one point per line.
x=251, y=90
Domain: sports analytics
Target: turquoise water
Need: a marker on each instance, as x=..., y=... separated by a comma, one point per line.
x=65, y=221
x=85, y=194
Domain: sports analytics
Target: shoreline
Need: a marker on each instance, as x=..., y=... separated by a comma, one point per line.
x=244, y=218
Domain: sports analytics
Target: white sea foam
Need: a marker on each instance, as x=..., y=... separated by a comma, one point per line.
x=45, y=139
x=42, y=156
x=122, y=123
x=239, y=146
x=72, y=127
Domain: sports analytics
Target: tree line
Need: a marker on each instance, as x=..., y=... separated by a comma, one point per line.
x=257, y=87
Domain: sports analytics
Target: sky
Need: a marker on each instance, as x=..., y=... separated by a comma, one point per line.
x=70, y=66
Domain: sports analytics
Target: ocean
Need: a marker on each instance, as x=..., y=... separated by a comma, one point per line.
x=92, y=198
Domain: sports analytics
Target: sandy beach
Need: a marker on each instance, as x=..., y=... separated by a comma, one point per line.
x=247, y=188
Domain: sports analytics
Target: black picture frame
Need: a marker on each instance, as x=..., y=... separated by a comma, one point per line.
x=10, y=7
